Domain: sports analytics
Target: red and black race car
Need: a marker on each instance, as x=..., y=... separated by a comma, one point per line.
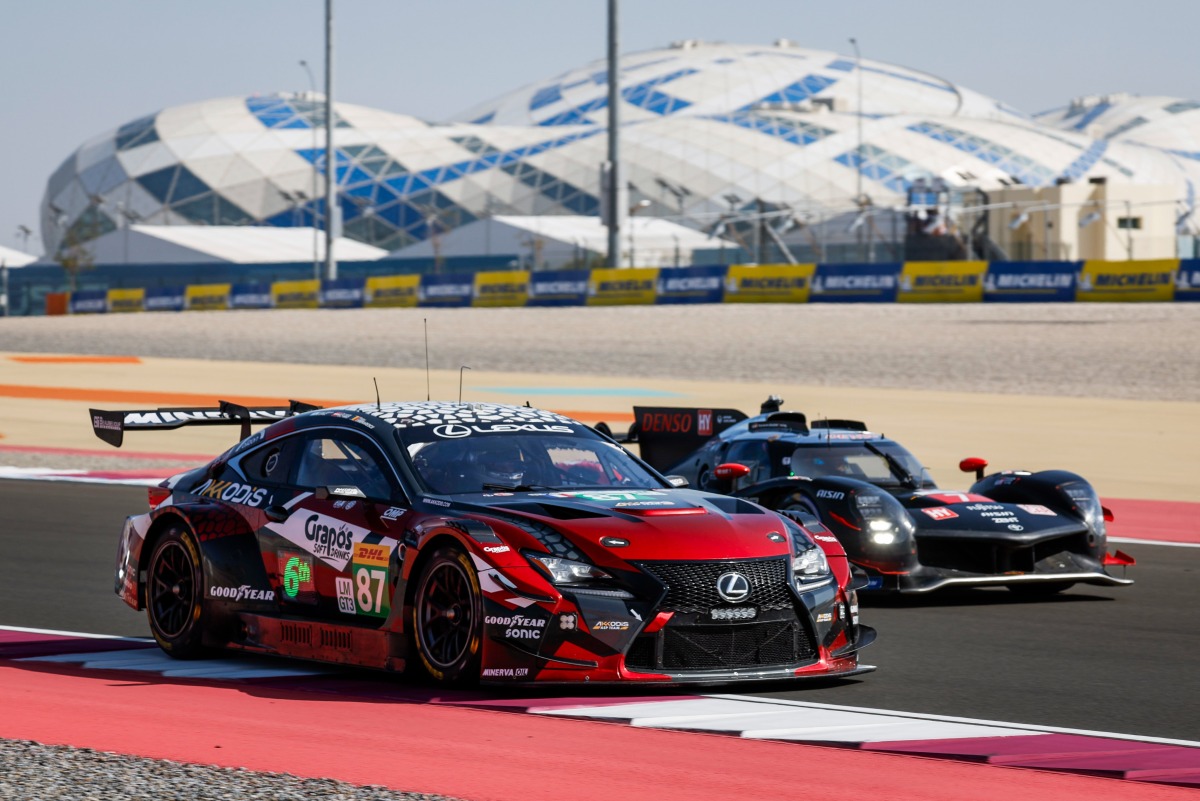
x=479, y=542
x=1035, y=533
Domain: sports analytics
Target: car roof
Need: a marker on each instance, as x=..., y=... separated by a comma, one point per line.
x=415, y=414
x=792, y=428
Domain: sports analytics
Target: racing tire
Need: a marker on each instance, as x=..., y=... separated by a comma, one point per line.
x=175, y=594
x=796, y=502
x=1040, y=590
x=447, y=615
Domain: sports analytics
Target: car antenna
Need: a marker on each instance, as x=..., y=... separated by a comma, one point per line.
x=460, y=376
x=378, y=406
x=428, y=393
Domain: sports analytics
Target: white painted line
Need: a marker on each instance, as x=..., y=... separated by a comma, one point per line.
x=155, y=661
x=81, y=634
x=42, y=474
x=1132, y=541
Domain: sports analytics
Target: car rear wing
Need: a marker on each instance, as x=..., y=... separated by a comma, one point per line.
x=111, y=426
x=667, y=434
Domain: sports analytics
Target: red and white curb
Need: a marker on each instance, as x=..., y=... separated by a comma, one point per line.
x=1130, y=757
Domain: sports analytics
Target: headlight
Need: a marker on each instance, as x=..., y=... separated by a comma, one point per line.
x=810, y=565
x=566, y=571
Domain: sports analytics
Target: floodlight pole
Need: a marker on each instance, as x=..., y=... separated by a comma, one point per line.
x=613, y=196
x=312, y=84
x=858, y=197
x=331, y=216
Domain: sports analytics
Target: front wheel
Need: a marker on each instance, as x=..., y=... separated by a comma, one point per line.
x=175, y=594
x=448, y=618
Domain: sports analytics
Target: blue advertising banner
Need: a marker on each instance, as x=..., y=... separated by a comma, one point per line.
x=1187, y=280
x=691, y=284
x=344, y=293
x=455, y=289
x=1030, y=281
x=89, y=301
x=855, y=283
x=250, y=296
x=558, y=288
x=165, y=298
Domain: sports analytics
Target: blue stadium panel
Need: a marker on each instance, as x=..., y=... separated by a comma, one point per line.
x=1023, y=168
x=877, y=164
x=646, y=95
x=796, y=92
x=794, y=131
x=1076, y=169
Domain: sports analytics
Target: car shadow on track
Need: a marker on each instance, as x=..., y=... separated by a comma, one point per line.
x=975, y=597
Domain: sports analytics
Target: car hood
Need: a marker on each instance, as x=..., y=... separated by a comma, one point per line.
x=653, y=524
x=964, y=515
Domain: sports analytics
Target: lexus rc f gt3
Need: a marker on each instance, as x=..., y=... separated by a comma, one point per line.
x=474, y=542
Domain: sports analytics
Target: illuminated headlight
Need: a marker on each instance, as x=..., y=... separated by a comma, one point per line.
x=735, y=613
x=566, y=571
x=810, y=564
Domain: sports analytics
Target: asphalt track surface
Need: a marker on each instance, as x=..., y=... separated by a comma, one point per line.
x=1100, y=659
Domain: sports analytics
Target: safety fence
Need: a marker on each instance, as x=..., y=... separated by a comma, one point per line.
x=908, y=282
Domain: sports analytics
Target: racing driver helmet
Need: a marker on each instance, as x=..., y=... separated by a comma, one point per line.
x=499, y=460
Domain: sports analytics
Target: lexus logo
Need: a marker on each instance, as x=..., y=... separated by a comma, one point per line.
x=733, y=587
x=452, y=431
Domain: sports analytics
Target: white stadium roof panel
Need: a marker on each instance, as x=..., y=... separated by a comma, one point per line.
x=776, y=123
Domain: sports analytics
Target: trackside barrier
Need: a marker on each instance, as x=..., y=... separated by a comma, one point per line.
x=910, y=282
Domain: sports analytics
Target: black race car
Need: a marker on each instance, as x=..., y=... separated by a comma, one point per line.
x=1035, y=533
x=478, y=542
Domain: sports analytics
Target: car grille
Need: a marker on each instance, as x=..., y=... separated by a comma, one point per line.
x=747, y=645
x=692, y=586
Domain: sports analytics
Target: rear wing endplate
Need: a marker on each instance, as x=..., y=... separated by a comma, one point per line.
x=111, y=426
x=666, y=434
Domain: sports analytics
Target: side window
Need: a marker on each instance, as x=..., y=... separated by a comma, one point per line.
x=329, y=458
x=752, y=454
x=271, y=463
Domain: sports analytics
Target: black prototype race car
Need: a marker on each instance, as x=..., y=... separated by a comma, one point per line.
x=479, y=542
x=1035, y=533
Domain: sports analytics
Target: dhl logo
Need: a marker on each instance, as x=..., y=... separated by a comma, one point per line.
x=368, y=554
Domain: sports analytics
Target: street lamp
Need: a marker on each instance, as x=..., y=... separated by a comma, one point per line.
x=633, y=210
x=312, y=123
x=23, y=233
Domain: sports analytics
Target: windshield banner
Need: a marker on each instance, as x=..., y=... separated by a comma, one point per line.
x=392, y=290
x=769, y=283
x=295, y=294
x=941, y=282
x=622, y=286
x=126, y=300
x=508, y=288
x=1030, y=281
x=691, y=284
x=558, y=288
x=164, y=298
x=1187, y=280
x=207, y=297
x=1108, y=281
x=446, y=290
x=854, y=283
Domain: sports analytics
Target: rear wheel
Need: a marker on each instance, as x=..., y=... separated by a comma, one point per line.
x=1041, y=589
x=175, y=594
x=448, y=618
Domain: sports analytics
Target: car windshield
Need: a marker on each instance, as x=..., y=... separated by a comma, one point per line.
x=524, y=461
x=880, y=462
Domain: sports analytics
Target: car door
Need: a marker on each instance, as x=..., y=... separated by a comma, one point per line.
x=331, y=549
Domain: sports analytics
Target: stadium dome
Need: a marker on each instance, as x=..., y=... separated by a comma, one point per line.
x=706, y=128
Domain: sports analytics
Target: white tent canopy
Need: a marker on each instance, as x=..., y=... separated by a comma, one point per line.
x=204, y=244
x=15, y=258
x=559, y=241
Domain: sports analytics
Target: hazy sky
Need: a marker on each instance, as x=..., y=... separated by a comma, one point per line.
x=71, y=69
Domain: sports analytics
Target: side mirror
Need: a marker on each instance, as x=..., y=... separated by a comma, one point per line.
x=277, y=514
x=973, y=464
x=730, y=471
x=677, y=481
